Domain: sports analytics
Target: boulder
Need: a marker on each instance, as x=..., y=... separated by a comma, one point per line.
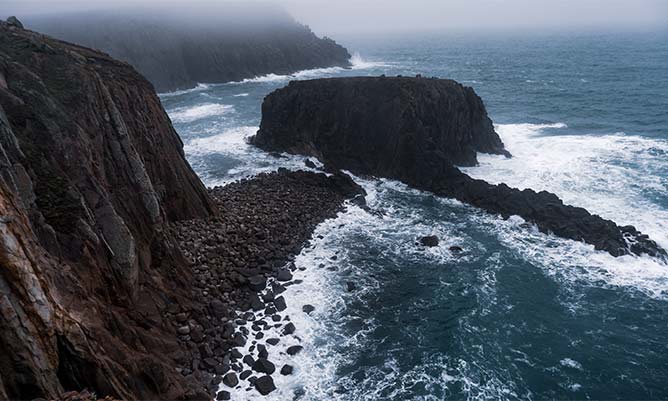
x=264, y=385
x=286, y=370
x=231, y=379
x=264, y=365
x=429, y=241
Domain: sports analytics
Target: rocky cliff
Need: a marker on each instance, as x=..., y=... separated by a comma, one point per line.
x=417, y=130
x=176, y=52
x=91, y=173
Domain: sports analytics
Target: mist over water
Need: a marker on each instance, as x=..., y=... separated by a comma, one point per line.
x=517, y=314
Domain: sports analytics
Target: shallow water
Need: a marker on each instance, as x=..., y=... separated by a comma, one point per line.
x=517, y=314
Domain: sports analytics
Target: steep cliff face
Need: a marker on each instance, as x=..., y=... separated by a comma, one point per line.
x=417, y=130
x=91, y=171
x=398, y=119
x=177, y=52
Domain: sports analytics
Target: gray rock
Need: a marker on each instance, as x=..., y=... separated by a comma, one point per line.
x=231, y=379
x=264, y=385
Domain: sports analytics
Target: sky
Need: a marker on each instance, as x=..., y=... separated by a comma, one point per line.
x=377, y=16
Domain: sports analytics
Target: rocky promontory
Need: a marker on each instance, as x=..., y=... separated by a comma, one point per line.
x=417, y=130
x=210, y=43
x=121, y=275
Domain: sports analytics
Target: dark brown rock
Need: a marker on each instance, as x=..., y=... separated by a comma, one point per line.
x=92, y=173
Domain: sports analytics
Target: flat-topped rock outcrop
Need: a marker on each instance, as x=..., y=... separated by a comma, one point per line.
x=417, y=130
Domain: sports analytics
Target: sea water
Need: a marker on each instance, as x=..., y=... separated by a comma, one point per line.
x=517, y=313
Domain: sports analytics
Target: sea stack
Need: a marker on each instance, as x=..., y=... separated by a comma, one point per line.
x=417, y=130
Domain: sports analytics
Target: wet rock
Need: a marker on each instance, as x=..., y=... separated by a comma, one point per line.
x=350, y=286
x=248, y=360
x=455, y=249
x=236, y=354
x=262, y=351
x=245, y=374
x=184, y=330
x=221, y=369
x=279, y=303
x=264, y=365
x=264, y=385
x=309, y=163
x=272, y=341
x=429, y=241
x=286, y=370
x=223, y=395
x=308, y=309
x=294, y=350
x=284, y=275
x=289, y=329
x=231, y=379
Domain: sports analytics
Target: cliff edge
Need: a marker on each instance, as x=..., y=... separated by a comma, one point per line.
x=91, y=173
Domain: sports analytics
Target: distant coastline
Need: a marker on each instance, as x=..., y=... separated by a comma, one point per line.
x=175, y=56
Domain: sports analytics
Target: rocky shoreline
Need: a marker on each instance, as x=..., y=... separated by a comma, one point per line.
x=242, y=261
x=418, y=130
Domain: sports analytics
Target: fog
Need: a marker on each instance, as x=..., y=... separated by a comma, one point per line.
x=380, y=16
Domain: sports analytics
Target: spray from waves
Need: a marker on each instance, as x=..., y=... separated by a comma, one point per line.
x=194, y=113
x=197, y=88
x=356, y=61
x=325, y=334
x=620, y=177
x=233, y=144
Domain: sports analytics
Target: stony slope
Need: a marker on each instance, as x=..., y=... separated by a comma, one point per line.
x=417, y=130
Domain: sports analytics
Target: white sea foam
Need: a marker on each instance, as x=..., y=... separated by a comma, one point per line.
x=610, y=175
x=570, y=363
x=356, y=61
x=197, y=88
x=241, y=95
x=233, y=143
x=322, y=333
x=194, y=113
x=605, y=174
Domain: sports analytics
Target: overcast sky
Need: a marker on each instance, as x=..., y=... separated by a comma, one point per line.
x=353, y=16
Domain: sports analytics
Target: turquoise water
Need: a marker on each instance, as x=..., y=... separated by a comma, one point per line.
x=518, y=314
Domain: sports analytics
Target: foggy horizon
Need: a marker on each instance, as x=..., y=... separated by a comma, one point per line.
x=385, y=17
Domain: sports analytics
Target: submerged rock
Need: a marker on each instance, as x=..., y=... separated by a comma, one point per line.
x=417, y=130
x=429, y=240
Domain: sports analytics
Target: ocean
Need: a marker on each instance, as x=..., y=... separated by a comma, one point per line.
x=517, y=314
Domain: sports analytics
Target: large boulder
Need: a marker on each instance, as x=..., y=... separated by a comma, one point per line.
x=418, y=130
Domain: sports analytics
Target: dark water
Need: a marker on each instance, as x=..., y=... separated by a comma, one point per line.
x=517, y=314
